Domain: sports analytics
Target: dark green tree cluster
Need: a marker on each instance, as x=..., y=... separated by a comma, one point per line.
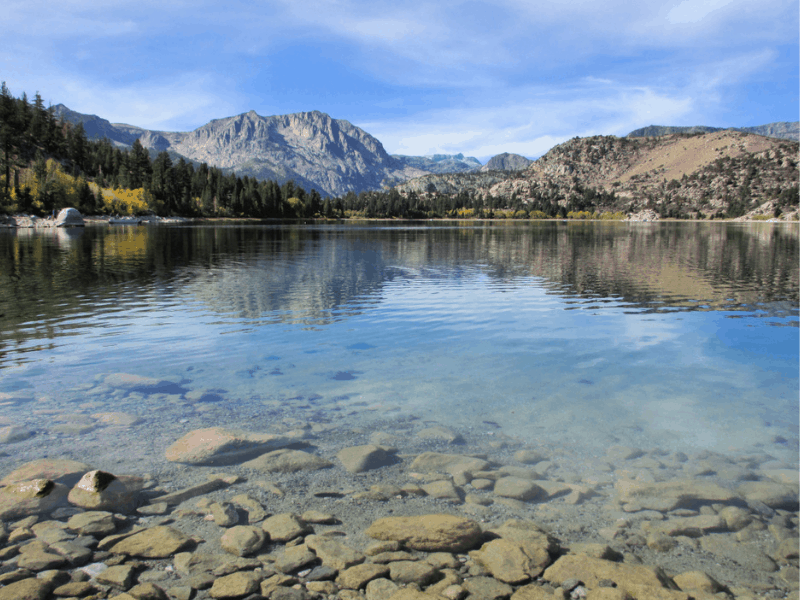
x=30, y=134
x=543, y=202
x=27, y=129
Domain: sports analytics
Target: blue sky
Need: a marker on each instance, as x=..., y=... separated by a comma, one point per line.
x=451, y=76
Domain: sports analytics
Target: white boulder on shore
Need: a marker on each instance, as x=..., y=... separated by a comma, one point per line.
x=69, y=217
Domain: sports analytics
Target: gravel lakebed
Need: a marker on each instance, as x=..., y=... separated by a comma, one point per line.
x=169, y=496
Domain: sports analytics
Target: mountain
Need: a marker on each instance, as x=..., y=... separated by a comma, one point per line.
x=316, y=151
x=506, y=162
x=441, y=163
x=784, y=130
x=97, y=128
x=725, y=171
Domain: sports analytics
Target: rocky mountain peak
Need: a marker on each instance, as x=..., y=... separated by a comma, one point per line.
x=506, y=162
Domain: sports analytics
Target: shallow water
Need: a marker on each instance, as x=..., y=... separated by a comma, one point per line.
x=672, y=335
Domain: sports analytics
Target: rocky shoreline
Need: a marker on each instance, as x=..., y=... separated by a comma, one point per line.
x=396, y=509
x=70, y=217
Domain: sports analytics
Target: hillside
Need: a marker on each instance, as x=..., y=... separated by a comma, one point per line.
x=726, y=173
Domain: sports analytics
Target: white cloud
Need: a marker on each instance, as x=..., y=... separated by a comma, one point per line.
x=693, y=11
x=533, y=122
x=180, y=104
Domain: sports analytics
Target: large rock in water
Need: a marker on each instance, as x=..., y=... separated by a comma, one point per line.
x=448, y=463
x=287, y=461
x=156, y=542
x=429, y=533
x=60, y=470
x=669, y=495
x=98, y=490
x=69, y=217
x=358, y=459
x=27, y=498
x=140, y=383
x=591, y=571
x=220, y=446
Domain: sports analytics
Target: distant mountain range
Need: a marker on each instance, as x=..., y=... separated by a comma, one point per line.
x=721, y=172
x=330, y=155
x=783, y=129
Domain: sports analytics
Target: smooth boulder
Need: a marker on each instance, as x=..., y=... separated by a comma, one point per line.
x=358, y=459
x=59, y=470
x=221, y=446
x=287, y=461
x=98, y=490
x=69, y=217
x=429, y=533
x=27, y=498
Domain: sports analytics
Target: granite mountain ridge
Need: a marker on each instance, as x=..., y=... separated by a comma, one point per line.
x=315, y=150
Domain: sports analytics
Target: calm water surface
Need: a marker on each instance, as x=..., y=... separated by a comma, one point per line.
x=678, y=335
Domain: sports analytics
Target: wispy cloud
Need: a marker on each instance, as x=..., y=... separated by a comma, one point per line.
x=693, y=11
x=534, y=120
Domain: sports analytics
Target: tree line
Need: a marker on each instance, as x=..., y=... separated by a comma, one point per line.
x=48, y=163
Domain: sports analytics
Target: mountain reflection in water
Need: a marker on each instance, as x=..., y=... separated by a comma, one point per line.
x=319, y=274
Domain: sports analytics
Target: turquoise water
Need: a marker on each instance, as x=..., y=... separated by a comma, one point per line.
x=676, y=335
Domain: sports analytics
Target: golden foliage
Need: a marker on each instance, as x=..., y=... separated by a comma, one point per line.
x=605, y=216
x=127, y=202
x=296, y=206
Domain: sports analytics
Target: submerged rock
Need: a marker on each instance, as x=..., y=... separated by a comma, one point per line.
x=140, y=383
x=431, y=533
x=440, y=434
x=358, y=459
x=519, y=489
x=285, y=527
x=98, y=490
x=27, y=498
x=774, y=495
x=333, y=553
x=14, y=433
x=98, y=523
x=448, y=463
x=243, y=540
x=591, y=571
x=61, y=470
x=509, y=561
x=669, y=495
x=156, y=542
x=221, y=446
x=287, y=461
x=119, y=419
x=26, y=589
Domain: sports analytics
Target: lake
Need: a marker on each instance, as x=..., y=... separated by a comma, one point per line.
x=680, y=336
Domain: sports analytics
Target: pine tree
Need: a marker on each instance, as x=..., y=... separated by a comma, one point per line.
x=9, y=134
